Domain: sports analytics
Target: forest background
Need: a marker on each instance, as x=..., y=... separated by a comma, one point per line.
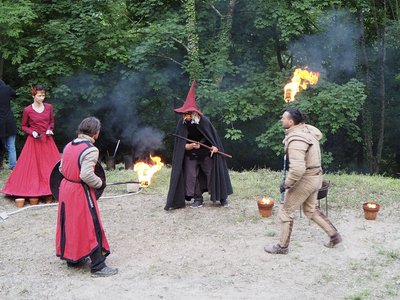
x=130, y=63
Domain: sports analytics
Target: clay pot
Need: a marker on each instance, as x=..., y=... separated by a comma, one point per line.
x=370, y=210
x=265, y=206
x=48, y=199
x=20, y=202
x=33, y=201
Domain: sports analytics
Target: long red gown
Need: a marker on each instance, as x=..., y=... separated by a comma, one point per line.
x=31, y=175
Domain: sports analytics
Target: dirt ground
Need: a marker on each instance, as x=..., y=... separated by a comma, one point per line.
x=205, y=253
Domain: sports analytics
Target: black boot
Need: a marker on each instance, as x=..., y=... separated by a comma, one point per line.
x=276, y=249
x=334, y=240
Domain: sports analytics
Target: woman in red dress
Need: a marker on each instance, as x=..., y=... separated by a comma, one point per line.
x=31, y=175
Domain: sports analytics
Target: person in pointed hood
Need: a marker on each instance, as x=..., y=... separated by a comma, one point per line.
x=196, y=169
x=303, y=181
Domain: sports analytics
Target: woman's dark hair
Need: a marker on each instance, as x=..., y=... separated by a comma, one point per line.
x=296, y=115
x=36, y=88
x=89, y=126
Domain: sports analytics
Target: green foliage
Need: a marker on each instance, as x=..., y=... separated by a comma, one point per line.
x=393, y=34
x=233, y=134
x=291, y=18
x=15, y=16
x=272, y=138
x=334, y=107
x=240, y=53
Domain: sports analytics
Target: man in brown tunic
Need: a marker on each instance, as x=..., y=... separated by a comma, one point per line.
x=303, y=181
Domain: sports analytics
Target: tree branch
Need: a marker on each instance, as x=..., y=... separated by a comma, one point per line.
x=216, y=10
x=169, y=58
x=182, y=44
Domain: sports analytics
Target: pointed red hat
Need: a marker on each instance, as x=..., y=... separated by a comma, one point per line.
x=190, y=102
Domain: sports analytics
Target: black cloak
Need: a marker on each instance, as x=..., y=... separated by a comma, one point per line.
x=220, y=181
x=8, y=126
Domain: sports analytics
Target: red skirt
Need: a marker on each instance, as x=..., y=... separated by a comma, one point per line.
x=77, y=224
x=31, y=175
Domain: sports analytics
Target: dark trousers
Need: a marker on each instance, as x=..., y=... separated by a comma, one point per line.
x=97, y=257
x=98, y=260
x=192, y=168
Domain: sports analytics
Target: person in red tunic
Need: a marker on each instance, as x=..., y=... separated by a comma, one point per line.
x=80, y=231
x=31, y=175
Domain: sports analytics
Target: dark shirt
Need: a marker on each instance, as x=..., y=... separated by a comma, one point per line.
x=196, y=135
x=7, y=122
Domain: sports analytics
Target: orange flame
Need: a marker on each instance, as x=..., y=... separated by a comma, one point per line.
x=301, y=79
x=266, y=200
x=146, y=171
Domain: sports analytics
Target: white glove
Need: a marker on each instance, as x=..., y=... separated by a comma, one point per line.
x=35, y=134
x=49, y=132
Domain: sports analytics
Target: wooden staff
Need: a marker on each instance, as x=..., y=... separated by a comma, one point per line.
x=201, y=144
x=116, y=148
x=123, y=182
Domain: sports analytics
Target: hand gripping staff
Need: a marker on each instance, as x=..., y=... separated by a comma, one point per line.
x=201, y=144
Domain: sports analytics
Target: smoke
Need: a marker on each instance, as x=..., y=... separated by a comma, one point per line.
x=119, y=105
x=114, y=99
x=147, y=140
x=333, y=49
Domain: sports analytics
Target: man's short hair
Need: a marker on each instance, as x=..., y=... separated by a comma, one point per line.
x=296, y=115
x=89, y=126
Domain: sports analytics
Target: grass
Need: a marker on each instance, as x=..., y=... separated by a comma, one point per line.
x=347, y=191
x=365, y=294
x=390, y=255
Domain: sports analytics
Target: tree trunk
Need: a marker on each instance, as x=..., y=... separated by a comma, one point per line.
x=225, y=39
x=193, y=67
x=278, y=50
x=382, y=100
x=380, y=16
x=366, y=114
x=374, y=144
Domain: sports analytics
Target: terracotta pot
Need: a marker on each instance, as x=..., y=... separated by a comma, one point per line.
x=33, y=201
x=20, y=202
x=48, y=199
x=264, y=208
x=371, y=210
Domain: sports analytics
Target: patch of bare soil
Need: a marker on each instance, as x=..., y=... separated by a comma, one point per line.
x=205, y=253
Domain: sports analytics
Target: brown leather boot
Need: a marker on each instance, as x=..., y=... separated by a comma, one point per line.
x=276, y=249
x=334, y=240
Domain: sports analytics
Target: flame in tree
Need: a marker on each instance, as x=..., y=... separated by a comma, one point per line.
x=146, y=171
x=301, y=79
